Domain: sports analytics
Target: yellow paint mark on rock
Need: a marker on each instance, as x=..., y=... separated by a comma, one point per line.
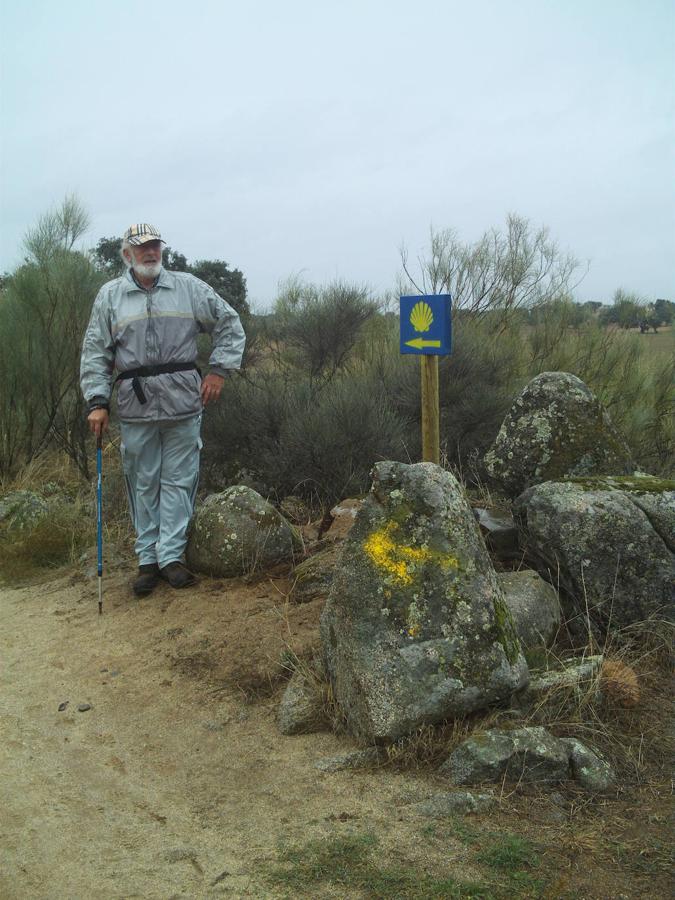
x=399, y=560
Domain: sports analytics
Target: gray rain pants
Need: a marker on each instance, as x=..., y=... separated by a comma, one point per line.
x=161, y=470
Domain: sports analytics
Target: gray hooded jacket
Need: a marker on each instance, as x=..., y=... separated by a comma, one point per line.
x=130, y=327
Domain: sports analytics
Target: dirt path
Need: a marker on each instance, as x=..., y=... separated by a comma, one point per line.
x=173, y=783
x=176, y=782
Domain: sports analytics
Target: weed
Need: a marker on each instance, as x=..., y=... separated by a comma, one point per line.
x=467, y=834
x=509, y=853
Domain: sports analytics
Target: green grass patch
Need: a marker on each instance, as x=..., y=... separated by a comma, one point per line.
x=512, y=862
x=350, y=862
x=508, y=853
x=513, y=859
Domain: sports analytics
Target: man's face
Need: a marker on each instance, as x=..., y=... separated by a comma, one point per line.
x=146, y=259
x=148, y=254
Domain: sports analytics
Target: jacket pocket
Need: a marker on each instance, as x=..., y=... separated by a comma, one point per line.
x=128, y=406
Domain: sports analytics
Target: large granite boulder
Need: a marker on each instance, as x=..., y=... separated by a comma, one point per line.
x=238, y=532
x=605, y=543
x=415, y=628
x=556, y=427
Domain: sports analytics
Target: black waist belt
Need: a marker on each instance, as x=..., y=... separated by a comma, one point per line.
x=148, y=371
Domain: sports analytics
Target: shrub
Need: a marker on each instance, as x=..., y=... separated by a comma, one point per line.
x=316, y=328
x=44, y=312
x=299, y=439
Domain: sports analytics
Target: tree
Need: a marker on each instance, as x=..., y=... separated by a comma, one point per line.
x=502, y=272
x=629, y=309
x=174, y=261
x=316, y=328
x=664, y=311
x=608, y=316
x=230, y=284
x=106, y=257
x=564, y=310
x=594, y=306
x=44, y=312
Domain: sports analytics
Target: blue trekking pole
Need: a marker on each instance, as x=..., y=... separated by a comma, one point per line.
x=99, y=522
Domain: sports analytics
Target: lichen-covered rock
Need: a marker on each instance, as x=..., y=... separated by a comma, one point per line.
x=595, y=540
x=524, y=754
x=21, y=511
x=657, y=505
x=529, y=754
x=313, y=577
x=415, y=629
x=534, y=605
x=238, y=532
x=593, y=773
x=578, y=676
x=556, y=427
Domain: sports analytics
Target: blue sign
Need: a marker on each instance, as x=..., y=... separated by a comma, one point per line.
x=426, y=324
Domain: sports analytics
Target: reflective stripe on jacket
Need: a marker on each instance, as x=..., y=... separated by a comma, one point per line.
x=130, y=327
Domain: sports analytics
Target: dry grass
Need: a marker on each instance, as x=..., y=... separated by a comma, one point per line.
x=623, y=709
x=54, y=469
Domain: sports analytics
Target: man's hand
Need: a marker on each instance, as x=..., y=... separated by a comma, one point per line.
x=98, y=421
x=212, y=385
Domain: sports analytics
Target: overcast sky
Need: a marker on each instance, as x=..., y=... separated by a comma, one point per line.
x=316, y=138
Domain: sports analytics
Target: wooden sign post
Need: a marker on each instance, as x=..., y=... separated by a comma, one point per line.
x=431, y=444
x=426, y=329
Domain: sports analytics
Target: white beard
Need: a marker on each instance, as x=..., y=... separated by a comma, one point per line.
x=147, y=271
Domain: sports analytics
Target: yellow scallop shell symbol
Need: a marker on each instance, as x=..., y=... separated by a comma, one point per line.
x=421, y=316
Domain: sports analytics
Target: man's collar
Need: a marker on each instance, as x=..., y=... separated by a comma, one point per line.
x=131, y=284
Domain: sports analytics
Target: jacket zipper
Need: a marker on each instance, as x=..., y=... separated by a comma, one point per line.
x=150, y=349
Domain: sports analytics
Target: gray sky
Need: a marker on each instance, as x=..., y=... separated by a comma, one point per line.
x=315, y=138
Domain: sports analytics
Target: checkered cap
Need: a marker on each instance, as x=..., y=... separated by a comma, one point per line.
x=141, y=234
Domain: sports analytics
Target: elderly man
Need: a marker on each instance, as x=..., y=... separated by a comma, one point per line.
x=145, y=324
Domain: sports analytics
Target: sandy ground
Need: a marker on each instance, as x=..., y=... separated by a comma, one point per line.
x=176, y=783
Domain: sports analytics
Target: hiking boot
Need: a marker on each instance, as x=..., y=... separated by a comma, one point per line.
x=177, y=575
x=147, y=580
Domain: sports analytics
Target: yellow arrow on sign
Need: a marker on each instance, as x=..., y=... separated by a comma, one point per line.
x=418, y=343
